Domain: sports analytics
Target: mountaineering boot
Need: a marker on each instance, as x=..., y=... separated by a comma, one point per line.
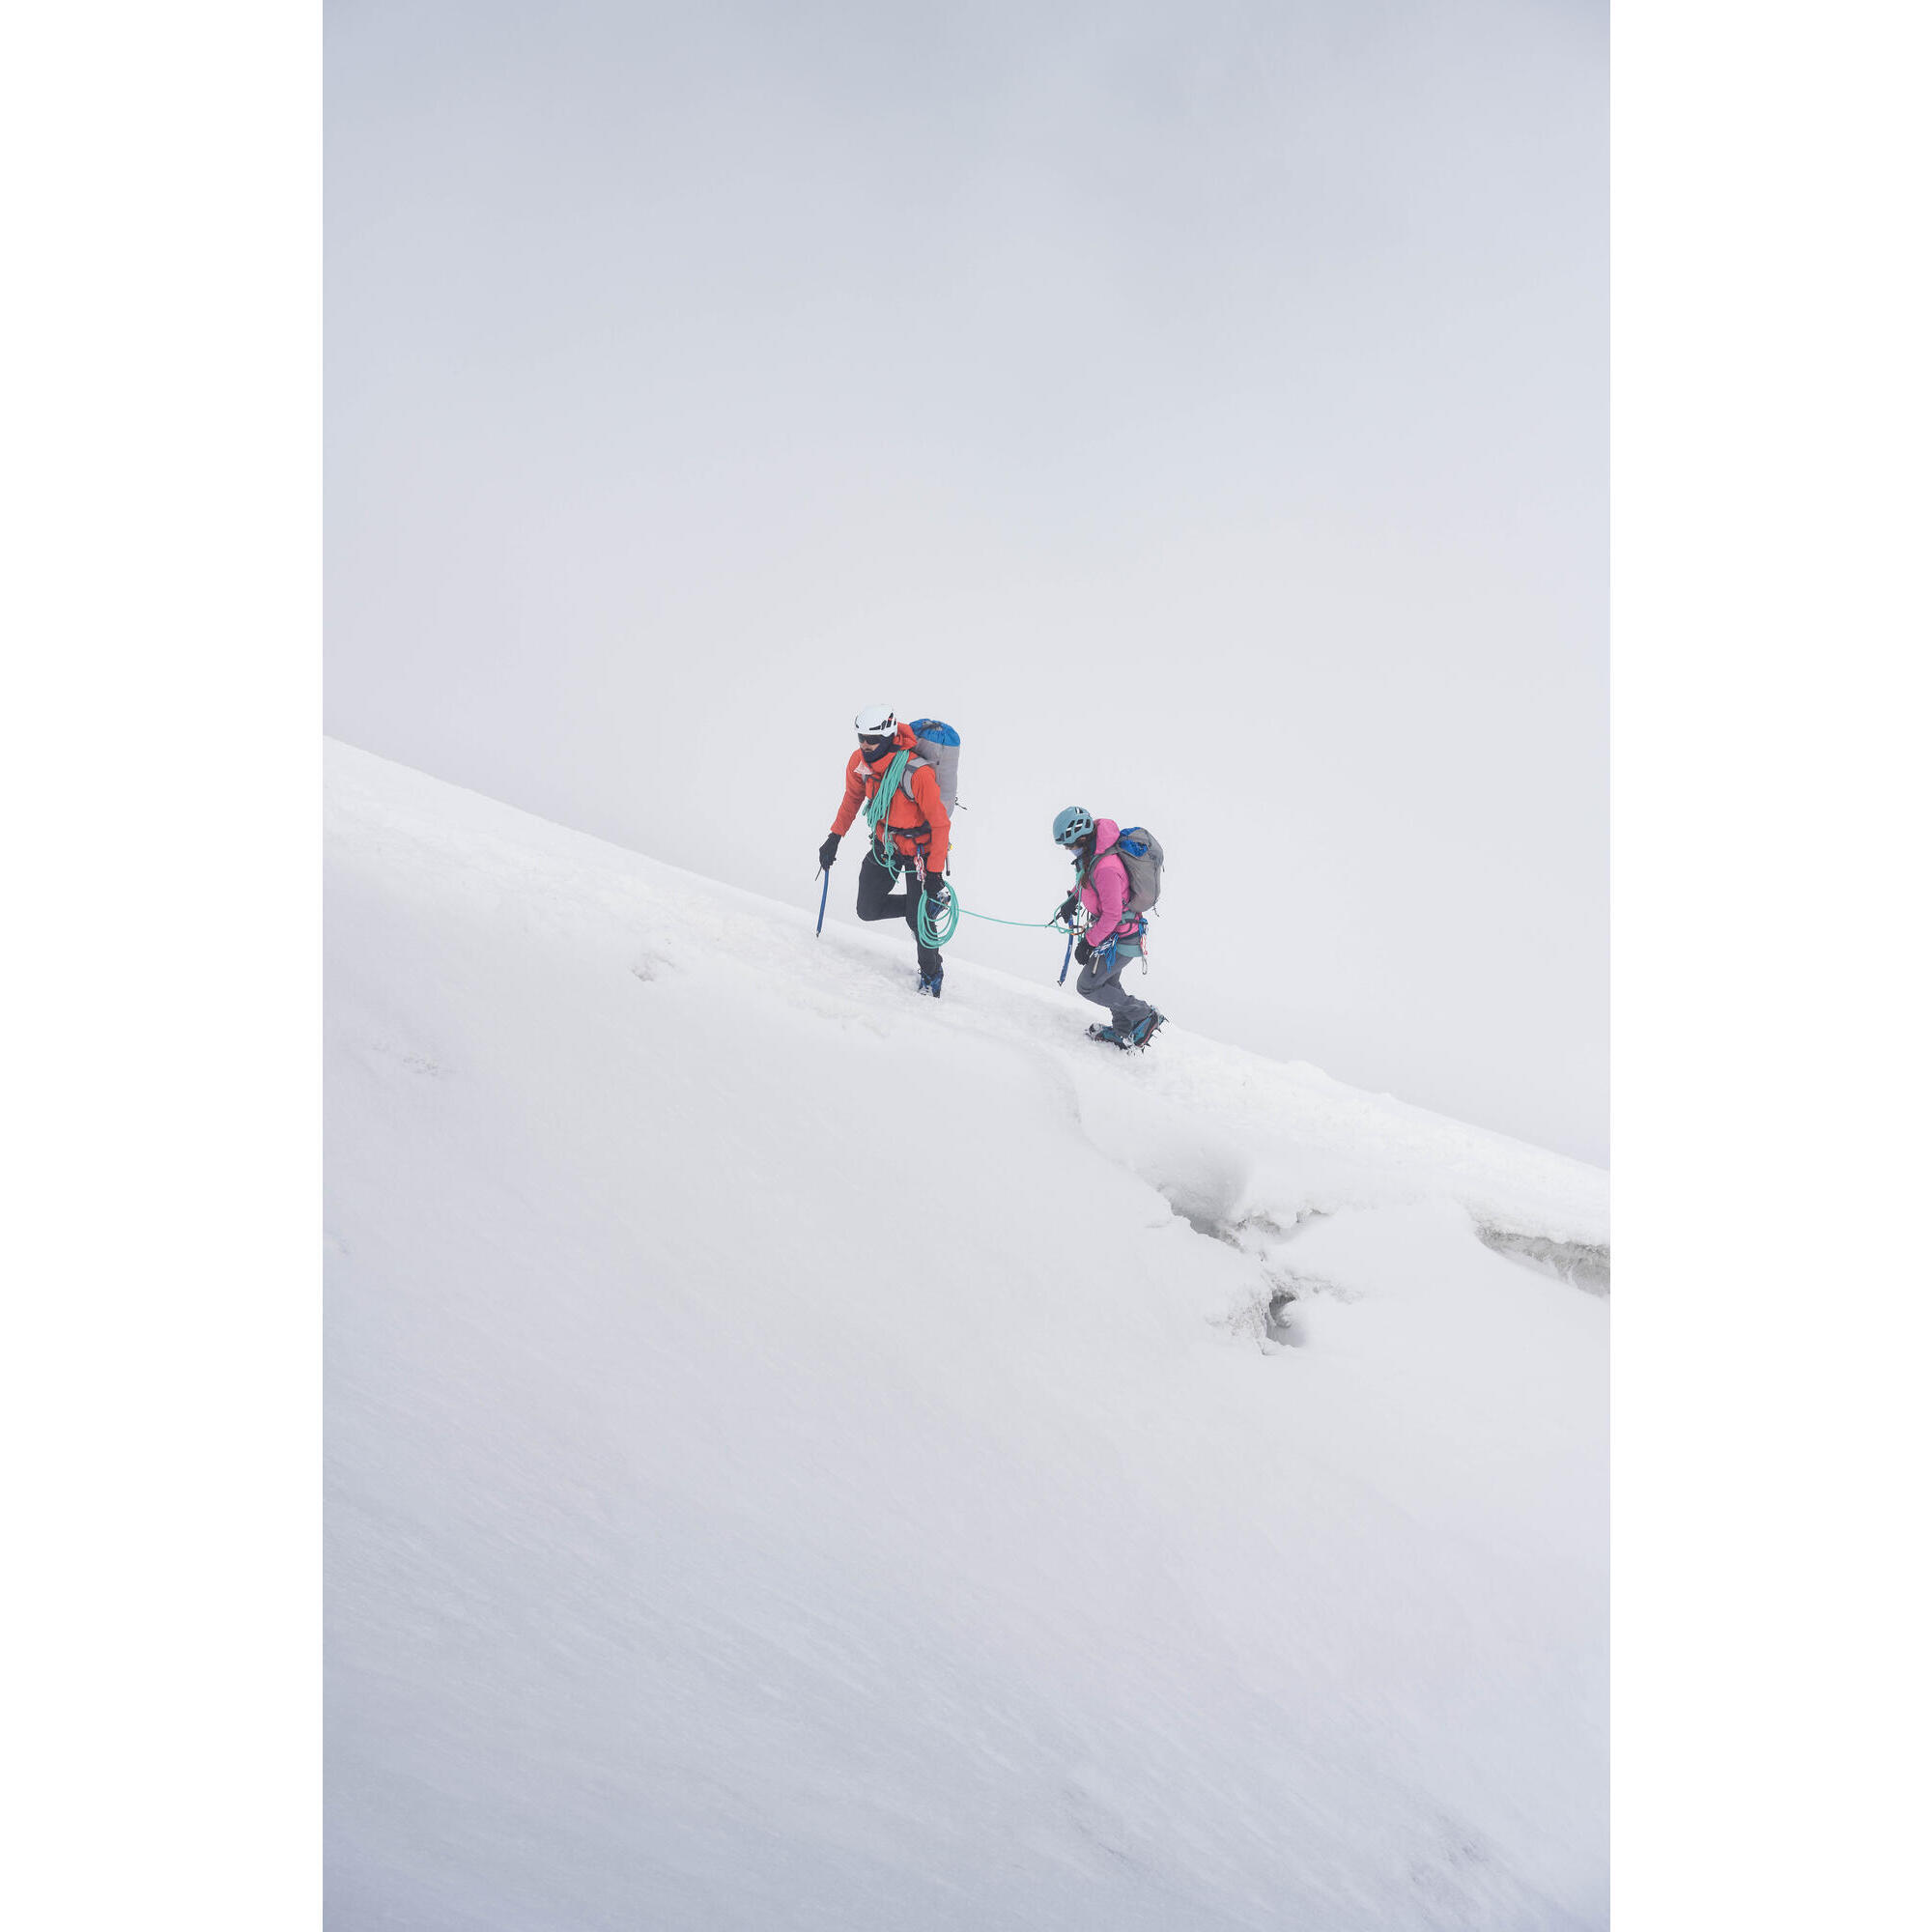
x=1145, y=1029
x=930, y=982
x=1110, y=1036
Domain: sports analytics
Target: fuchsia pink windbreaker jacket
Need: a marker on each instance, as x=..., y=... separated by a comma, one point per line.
x=1105, y=893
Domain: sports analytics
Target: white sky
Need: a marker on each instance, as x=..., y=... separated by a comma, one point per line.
x=1203, y=407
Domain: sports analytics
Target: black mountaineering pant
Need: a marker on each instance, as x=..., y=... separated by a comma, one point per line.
x=878, y=900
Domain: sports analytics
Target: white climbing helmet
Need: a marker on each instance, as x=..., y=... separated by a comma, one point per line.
x=875, y=721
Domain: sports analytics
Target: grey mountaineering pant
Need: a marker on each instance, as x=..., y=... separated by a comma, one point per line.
x=1100, y=982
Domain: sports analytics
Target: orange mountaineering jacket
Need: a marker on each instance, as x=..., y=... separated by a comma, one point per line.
x=917, y=823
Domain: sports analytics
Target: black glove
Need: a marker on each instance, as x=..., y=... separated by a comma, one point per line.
x=1082, y=950
x=934, y=884
x=1069, y=906
x=828, y=852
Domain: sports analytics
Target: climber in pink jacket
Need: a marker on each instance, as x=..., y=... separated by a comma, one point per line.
x=1114, y=937
x=1102, y=889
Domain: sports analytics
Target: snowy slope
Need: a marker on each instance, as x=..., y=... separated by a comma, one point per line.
x=802, y=1457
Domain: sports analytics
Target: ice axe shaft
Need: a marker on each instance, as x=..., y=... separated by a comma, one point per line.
x=824, y=874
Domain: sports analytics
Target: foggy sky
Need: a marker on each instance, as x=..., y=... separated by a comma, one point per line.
x=1202, y=407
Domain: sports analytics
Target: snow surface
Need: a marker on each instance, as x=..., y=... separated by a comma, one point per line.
x=799, y=1456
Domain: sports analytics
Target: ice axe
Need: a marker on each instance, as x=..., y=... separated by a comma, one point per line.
x=822, y=891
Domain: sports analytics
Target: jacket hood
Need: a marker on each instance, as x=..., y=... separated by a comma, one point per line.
x=1105, y=835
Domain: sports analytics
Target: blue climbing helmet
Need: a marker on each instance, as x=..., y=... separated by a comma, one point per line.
x=1072, y=825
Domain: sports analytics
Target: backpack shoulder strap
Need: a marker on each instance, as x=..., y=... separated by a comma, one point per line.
x=1112, y=851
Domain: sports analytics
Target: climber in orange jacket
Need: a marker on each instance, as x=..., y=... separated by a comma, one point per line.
x=912, y=838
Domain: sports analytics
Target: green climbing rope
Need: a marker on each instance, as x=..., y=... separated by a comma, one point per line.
x=937, y=934
x=1025, y=925
x=932, y=932
x=881, y=801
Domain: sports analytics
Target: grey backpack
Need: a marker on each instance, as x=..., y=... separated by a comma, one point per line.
x=1140, y=853
x=938, y=747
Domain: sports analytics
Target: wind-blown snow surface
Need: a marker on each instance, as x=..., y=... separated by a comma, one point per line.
x=803, y=1457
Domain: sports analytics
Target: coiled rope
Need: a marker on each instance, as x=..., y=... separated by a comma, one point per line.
x=932, y=932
